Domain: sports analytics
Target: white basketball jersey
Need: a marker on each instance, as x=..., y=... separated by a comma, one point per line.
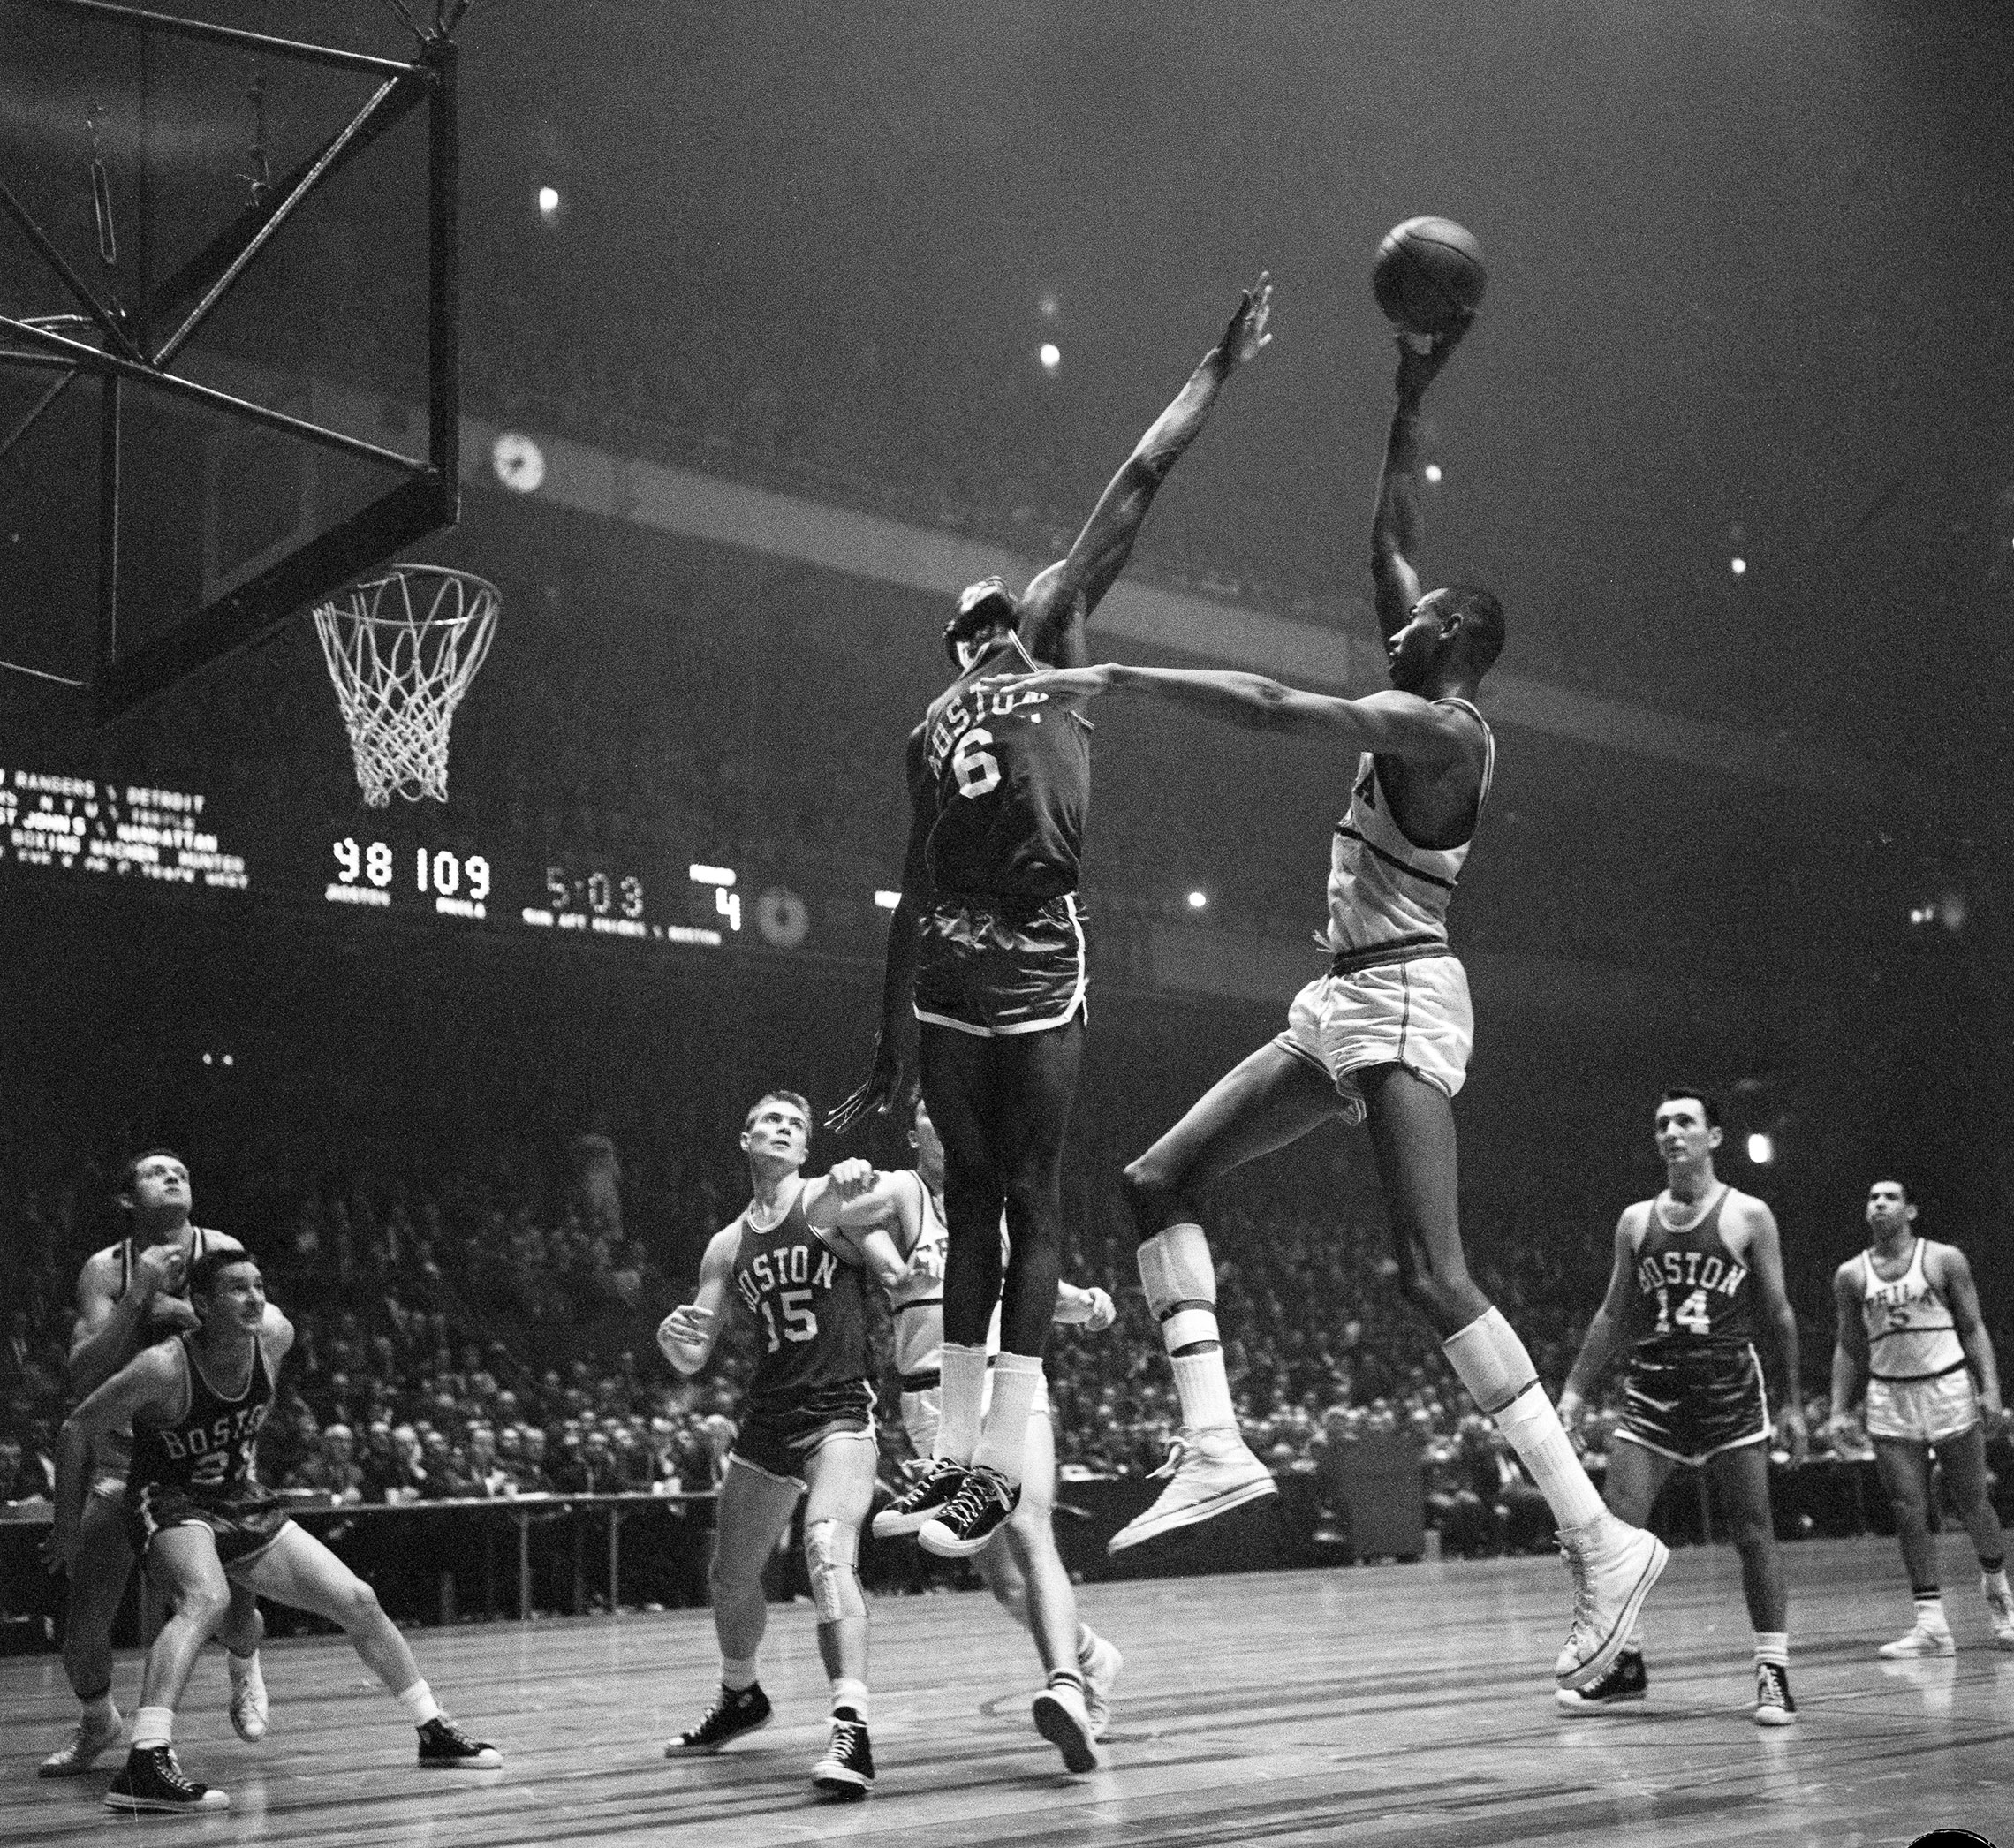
x=1388, y=897
x=1910, y=1331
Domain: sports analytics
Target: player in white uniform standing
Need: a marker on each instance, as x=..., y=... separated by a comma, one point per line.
x=1910, y=1337
x=1383, y=1039
x=1020, y=1565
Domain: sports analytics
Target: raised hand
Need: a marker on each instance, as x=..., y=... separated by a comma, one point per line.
x=1246, y=335
x=1419, y=366
x=882, y=1092
x=851, y=1178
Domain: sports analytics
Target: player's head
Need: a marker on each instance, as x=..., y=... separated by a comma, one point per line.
x=928, y=1145
x=777, y=1129
x=154, y=1185
x=228, y=1283
x=1453, y=633
x=1687, y=1123
x=1889, y=1208
x=986, y=611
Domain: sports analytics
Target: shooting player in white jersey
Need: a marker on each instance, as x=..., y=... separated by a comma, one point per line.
x=1383, y=1038
x=1910, y=1340
x=1020, y=1565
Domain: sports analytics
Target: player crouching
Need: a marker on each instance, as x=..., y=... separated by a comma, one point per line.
x=195, y=1404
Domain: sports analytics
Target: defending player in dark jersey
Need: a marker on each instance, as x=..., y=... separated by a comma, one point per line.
x=1910, y=1337
x=801, y=1271
x=986, y=955
x=128, y=1295
x=195, y=1404
x=1382, y=1039
x=1696, y=1270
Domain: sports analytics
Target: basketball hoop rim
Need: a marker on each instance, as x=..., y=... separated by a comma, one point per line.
x=337, y=603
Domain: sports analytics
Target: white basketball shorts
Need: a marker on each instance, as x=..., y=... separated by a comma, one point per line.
x=1415, y=1014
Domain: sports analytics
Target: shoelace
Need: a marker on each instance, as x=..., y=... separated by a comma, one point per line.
x=167, y=1772
x=1583, y=1583
x=1177, y=1450
x=846, y=1736
x=982, y=1486
x=917, y=1491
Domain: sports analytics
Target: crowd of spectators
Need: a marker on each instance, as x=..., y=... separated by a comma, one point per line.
x=491, y=1339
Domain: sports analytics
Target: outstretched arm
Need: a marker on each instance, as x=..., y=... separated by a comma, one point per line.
x=1395, y=524
x=1392, y=723
x=151, y=1382
x=1766, y=1265
x=1607, y=1331
x=895, y=1039
x=1060, y=599
x=686, y=1335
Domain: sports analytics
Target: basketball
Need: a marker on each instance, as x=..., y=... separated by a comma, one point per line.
x=1428, y=272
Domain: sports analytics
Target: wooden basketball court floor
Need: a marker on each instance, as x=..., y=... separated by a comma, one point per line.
x=1402, y=1704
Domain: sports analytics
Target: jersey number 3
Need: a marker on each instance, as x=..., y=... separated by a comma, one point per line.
x=977, y=770
x=800, y=1322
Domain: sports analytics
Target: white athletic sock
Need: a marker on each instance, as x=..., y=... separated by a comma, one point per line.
x=1994, y=1584
x=420, y=1704
x=1204, y=1390
x=153, y=1726
x=962, y=1377
x=1068, y=1678
x=848, y=1692
x=1773, y=1648
x=1016, y=1378
x=1492, y=1363
x=1930, y=1611
x=736, y=1673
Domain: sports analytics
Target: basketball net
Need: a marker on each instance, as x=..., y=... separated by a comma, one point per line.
x=402, y=650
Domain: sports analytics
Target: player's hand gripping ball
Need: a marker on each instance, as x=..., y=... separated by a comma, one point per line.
x=1428, y=276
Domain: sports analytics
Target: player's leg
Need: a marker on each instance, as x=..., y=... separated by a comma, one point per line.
x=1740, y=1478
x=1062, y=1711
x=1267, y=1101
x=752, y=1514
x=184, y=1565
x=241, y=1632
x=1034, y=1079
x=296, y=1570
x=98, y=1587
x=839, y=1475
x=1637, y=1475
x=1903, y=1466
x=956, y=1072
x=1413, y=1138
x=1966, y=1482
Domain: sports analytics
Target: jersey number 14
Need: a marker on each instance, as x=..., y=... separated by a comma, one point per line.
x=1692, y=1314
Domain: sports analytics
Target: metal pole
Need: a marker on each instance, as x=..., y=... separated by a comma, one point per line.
x=108, y=434
x=216, y=35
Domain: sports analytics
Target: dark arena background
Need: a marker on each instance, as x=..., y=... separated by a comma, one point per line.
x=752, y=334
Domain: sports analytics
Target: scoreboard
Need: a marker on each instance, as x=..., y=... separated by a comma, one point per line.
x=413, y=864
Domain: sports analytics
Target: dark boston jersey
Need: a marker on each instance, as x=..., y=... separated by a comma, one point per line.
x=810, y=1308
x=1010, y=774
x=208, y=1450
x=1696, y=1288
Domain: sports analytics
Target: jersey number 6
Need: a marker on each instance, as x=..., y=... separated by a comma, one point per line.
x=977, y=770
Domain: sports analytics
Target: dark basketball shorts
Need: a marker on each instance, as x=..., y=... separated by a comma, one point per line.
x=244, y=1525
x=991, y=967
x=781, y=1444
x=1691, y=1406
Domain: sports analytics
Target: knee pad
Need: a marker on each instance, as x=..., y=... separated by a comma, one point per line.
x=831, y=1553
x=1180, y=1281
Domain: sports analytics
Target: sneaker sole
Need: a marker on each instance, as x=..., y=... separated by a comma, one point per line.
x=78, y=1768
x=1603, y=1659
x=249, y=1732
x=1890, y=1653
x=1053, y=1721
x=493, y=1761
x=673, y=1749
x=163, y=1807
x=944, y=1545
x=840, y=1784
x=1144, y=1528
x=1571, y=1701
x=1774, y=1717
x=894, y=1526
